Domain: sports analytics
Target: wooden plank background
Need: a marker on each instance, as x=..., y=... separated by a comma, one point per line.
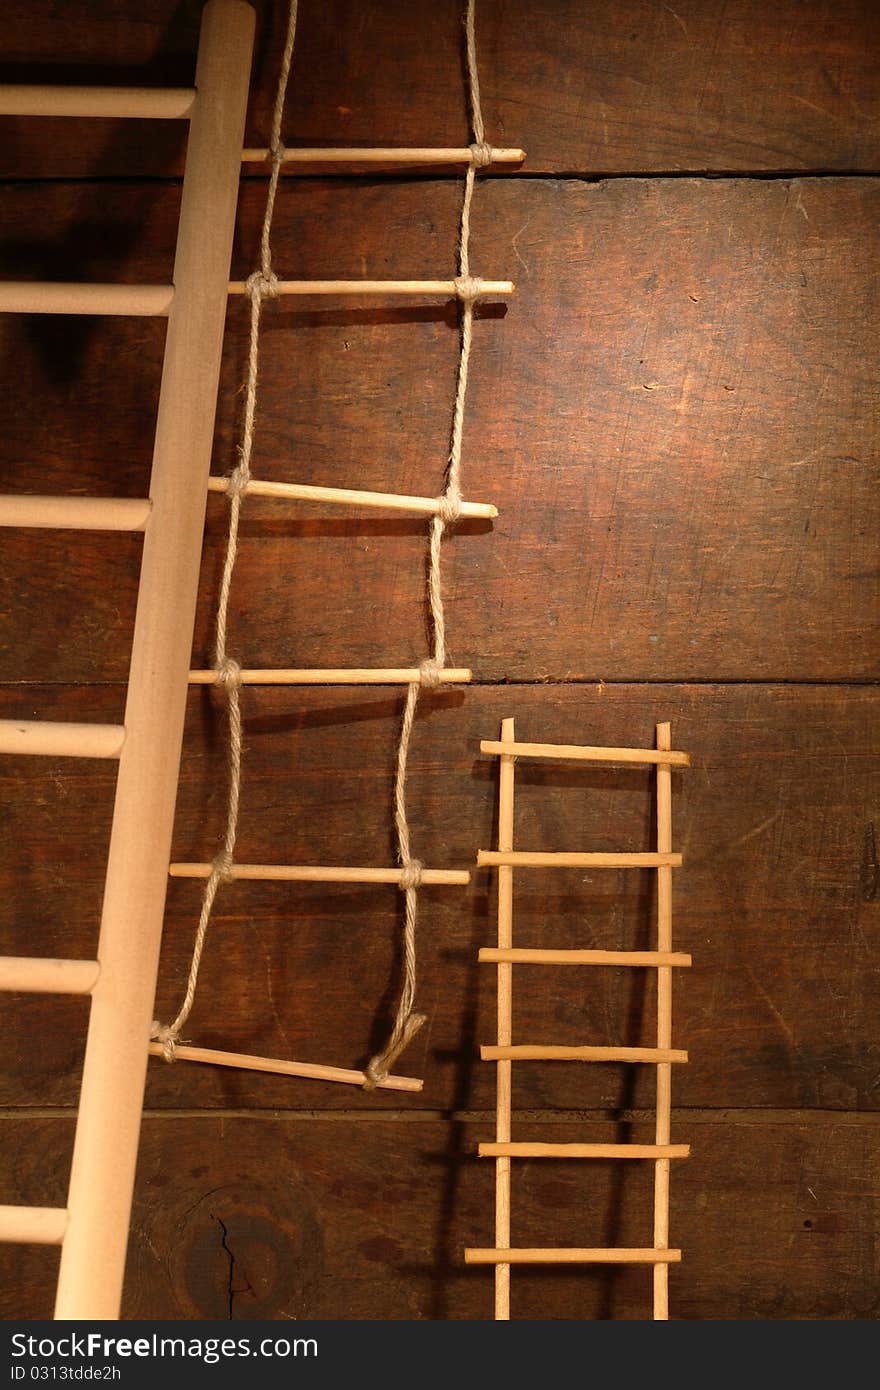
x=677, y=417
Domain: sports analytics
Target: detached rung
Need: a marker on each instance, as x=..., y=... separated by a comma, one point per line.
x=491, y=288
x=536, y=1053
x=526, y=955
x=535, y=859
x=157, y=103
x=584, y=1150
x=312, y=1070
x=76, y=513
x=393, y=155
x=573, y=752
x=315, y=873
x=40, y=737
x=32, y=975
x=572, y=1256
x=43, y=297
x=33, y=1225
x=351, y=497
x=351, y=675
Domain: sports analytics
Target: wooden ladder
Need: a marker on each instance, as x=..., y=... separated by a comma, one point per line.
x=92, y=1229
x=663, y=959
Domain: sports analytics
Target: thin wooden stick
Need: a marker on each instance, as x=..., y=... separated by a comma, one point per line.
x=108, y=1124
x=504, y=1079
x=76, y=513
x=536, y=1052
x=536, y=859
x=142, y=103
x=664, y=1024
x=33, y=1225
x=528, y=1150
x=43, y=297
x=354, y=675
x=379, y=155
x=352, y=497
x=488, y=288
x=43, y=738
x=617, y=1255
x=309, y=873
x=311, y=1070
x=576, y=753
x=35, y=975
x=528, y=955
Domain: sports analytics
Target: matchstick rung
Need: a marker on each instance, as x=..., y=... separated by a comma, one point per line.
x=390, y=155
x=279, y=1067
x=35, y=975
x=576, y=753
x=43, y=738
x=527, y=955
x=315, y=873
x=527, y=1150
x=33, y=1225
x=490, y=288
x=535, y=1052
x=351, y=497
x=354, y=675
x=76, y=513
x=572, y=1256
x=537, y=859
x=151, y=103
x=45, y=297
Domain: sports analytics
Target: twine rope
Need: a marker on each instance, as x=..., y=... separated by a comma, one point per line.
x=262, y=284
x=407, y=1022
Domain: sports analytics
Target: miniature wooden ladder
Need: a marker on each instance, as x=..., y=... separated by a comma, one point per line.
x=663, y=959
x=93, y=1229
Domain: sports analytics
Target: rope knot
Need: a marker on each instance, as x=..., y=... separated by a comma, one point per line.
x=379, y=1067
x=277, y=151
x=260, y=286
x=228, y=674
x=429, y=673
x=468, y=288
x=223, y=865
x=237, y=482
x=450, y=504
x=161, y=1033
x=411, y=874
x=481, y=154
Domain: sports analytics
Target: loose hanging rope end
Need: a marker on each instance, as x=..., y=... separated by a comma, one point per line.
x=379, y=1068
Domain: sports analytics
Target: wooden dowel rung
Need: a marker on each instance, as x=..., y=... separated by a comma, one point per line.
x=35, y=975
x=536, y=859
x=352, y=497
x=76, y=513
x=527, y=955
x=33, y=1225
x=313, y=873
x=576, y=753
x=311, y=1070
x=536, y=1052
x=572, y=1256
x=381, y=155
x=43, y=738
x=45, y=297
x=490, y=288
x=150, y=103
x=527, y=1150
x=353, y=675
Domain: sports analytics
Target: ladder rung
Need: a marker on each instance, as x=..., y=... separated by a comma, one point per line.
x=278, y=1067
x=353, y=675
x=352, y=497
x=33, y=975
x=158, y=103
x=76, y=513
x=534, y=1052
x=344, y=287
x=572, y=1256
x=41, y=737
x=536, y=859
x=574, y=752
x=526, y=1150
x=318, y=873
x=33, y=1225
x=393, y=155
x=46, y=297
x=528, y=955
